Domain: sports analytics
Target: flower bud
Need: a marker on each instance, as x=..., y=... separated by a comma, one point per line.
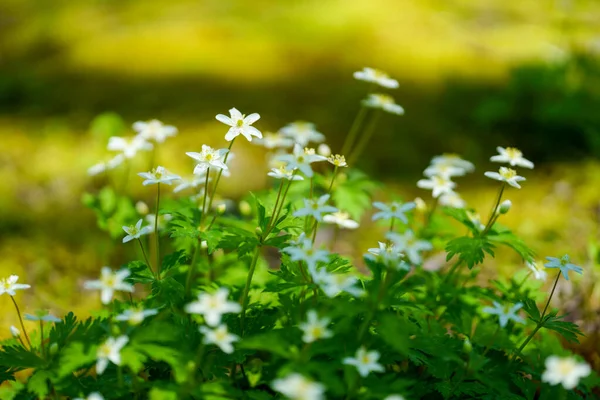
x=204, y=244
x=221, y=208
x=53, y=348
x=324, y=150
x=15, y=332
x=142, y=208
x=467, y=346
x=258, y=231
x=421, y=205
x=504, y=207
x=245, y=208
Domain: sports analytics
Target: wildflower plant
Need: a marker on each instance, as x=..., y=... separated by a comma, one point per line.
x=252, y=300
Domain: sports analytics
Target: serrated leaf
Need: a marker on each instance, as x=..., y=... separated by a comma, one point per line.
x=38, y=383
x=75, y=356
x=568, y=330
x=470, y=250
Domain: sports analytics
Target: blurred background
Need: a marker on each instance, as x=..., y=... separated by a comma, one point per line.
x=473, y=75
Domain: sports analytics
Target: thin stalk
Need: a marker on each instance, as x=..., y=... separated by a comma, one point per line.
x=275, y=206
x=204, y=198
x=156, y=238
x=366, y=137
x=335, y=171
x=382, y=289
x=494, y=211
x=244, y=299
x=43, y=349
x=212, y=196
x=436, y=202
x=392, y=224
x=354, y=129
x=280, y=205
x=188, y=280
x=21, y=321
x=146, y=258
x=336, y=233
x=314, y=236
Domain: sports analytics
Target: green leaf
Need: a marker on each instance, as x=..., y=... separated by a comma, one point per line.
x=460, y=215
x=272, y=342
x=568, y=330
x=470, y=250
x=38, y=383
x=74, y=356
x=507, y=238
x=162, y=394
x=139, y=273
x=173, y=260
x=530, y=307
x=19, y=357
x=395, y=331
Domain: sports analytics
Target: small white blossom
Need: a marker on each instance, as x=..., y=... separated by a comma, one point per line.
x=91, y=396
x=324, y=150
x=409, y=245
x=297, y=387
x=208, y=158
x=162, y=219
x=192, y=183
x=365, y=361
x=564, y=264
x=512, y=156
x=315, y=328
x=341, y=219
x=505, y=313
x=301, y=159
x=240, y=125
x=437, y=184
x=302, y=133
x=272, y=140
x=566, y=371
x=14, y=332
x=128, y=146
x=44, y=316
x=383, y=102
x=136, y=231
x=315, y=208
x=394, y=397
x=110, y=282
x=538, y=272
x=475, y=220
x=388, y=254
x=376, y=76
x=219, y=336
x=337, y=160
x=135, y=316
x=453, y=160
x=142, y=208
x=445, y=171
x=106, y=166
x=452, y=199
x=507, y=175
x=154, y=130
x=9, y=285
x=303, y=250
x=334, y=284
x=213, y=306
x=392, y=210
x=110, y=350
x=284, y=173
x=157, y=176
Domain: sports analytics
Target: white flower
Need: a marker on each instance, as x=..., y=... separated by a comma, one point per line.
x=324, y=150
x=157, y=176
x=208, y=158
x=128, y=146
x=392, y=210
x=219, y=336
x=383, y=102
x=154, y=130
x=452, y=199
x=538, y=272
x=9, y=285
x=453, y=160
x=193, y=183
x=566, y=371
x=334, y=284
x=162, y=219
x=315, y=328
x=272, y=140
x=240, y=125
x=110, y=350
x=105, y=166
x=445, y=171
x=437, y=184
x=14, y=332
x=388, y=254
x=505, y=313
x=110, y=282
x=302, y=133
x=213, y=306
x=475, y=220
x=507, y=175
x=512, y=156
x=297, y=387
x=284, y=173
x=303, y=250
x=136, y=316
x=394, y=397
x=409, y=244
x=315, y=208
x=44, y=316
x=365, y=361
x=337, y=160
x=136, y=231
x=301, y=159
x=341, y=219
x=91, y=396
x=376, y=76
x=96, y=169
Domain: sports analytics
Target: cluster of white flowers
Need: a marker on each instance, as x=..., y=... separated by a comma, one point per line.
x=439, y=175
x=513, y=157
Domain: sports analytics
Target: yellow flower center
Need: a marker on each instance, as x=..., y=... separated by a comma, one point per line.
x=365, y=359
x=104, y=350
x=507, y=173
x=209, y=157
x=565, y=367
x=4, y=283
x=221, y=335
x=383, y=99
x=513, y=153
x=240, y=123
x=317, y=331
x=109, y=281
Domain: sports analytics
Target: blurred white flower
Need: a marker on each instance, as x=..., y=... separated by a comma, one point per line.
x=505, y=313
x=392, y=210
x=512, y=156
x=272, y=140
x=303, y=250
x=334, y=284
x=315, y=208
x=213, y=306
x=300, y=159
x=208, y=158
x=302, y=133
x=409, y=245
x=507, y=175
x=566, y=371
x=110, y=282
x=136, y=231
x=388, y=254
x=394, y=397
x=297, y=387
x=324, y=150
x=135, y=316
x=453, y=160
x=445, y=171
x=154, y=130
x=376, y=76
x=128, y=146
x=315, y=328
x=365, y=361
x=42, y=315
x=91, y=396
x=437, y=185
x=9, y=285
x=240, y=125
x=452, y=199
x=538, y=272
x=192, y=183
x=110, y=350
x=341, y=219
x=219, y=336
x=142, y=208
x=283, y=173
x=14, y=332
x=157, y=176
x=383, y=102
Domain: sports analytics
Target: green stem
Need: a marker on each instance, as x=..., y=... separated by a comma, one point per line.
x=275, y=206
x=188, y=280
x=366, y=137
x=244, y=299
x=314, y=236
x=281, y=203
x=489, y=346
x=146, y=258
x=204, y=198
x=392, y=224
x=21, y=321
x=335, y=171
x=354, y=129
x=156, y=238
x=382, y=289
x=43, y=349
x=494, y=211
x=436, y=202
x=212, y=196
